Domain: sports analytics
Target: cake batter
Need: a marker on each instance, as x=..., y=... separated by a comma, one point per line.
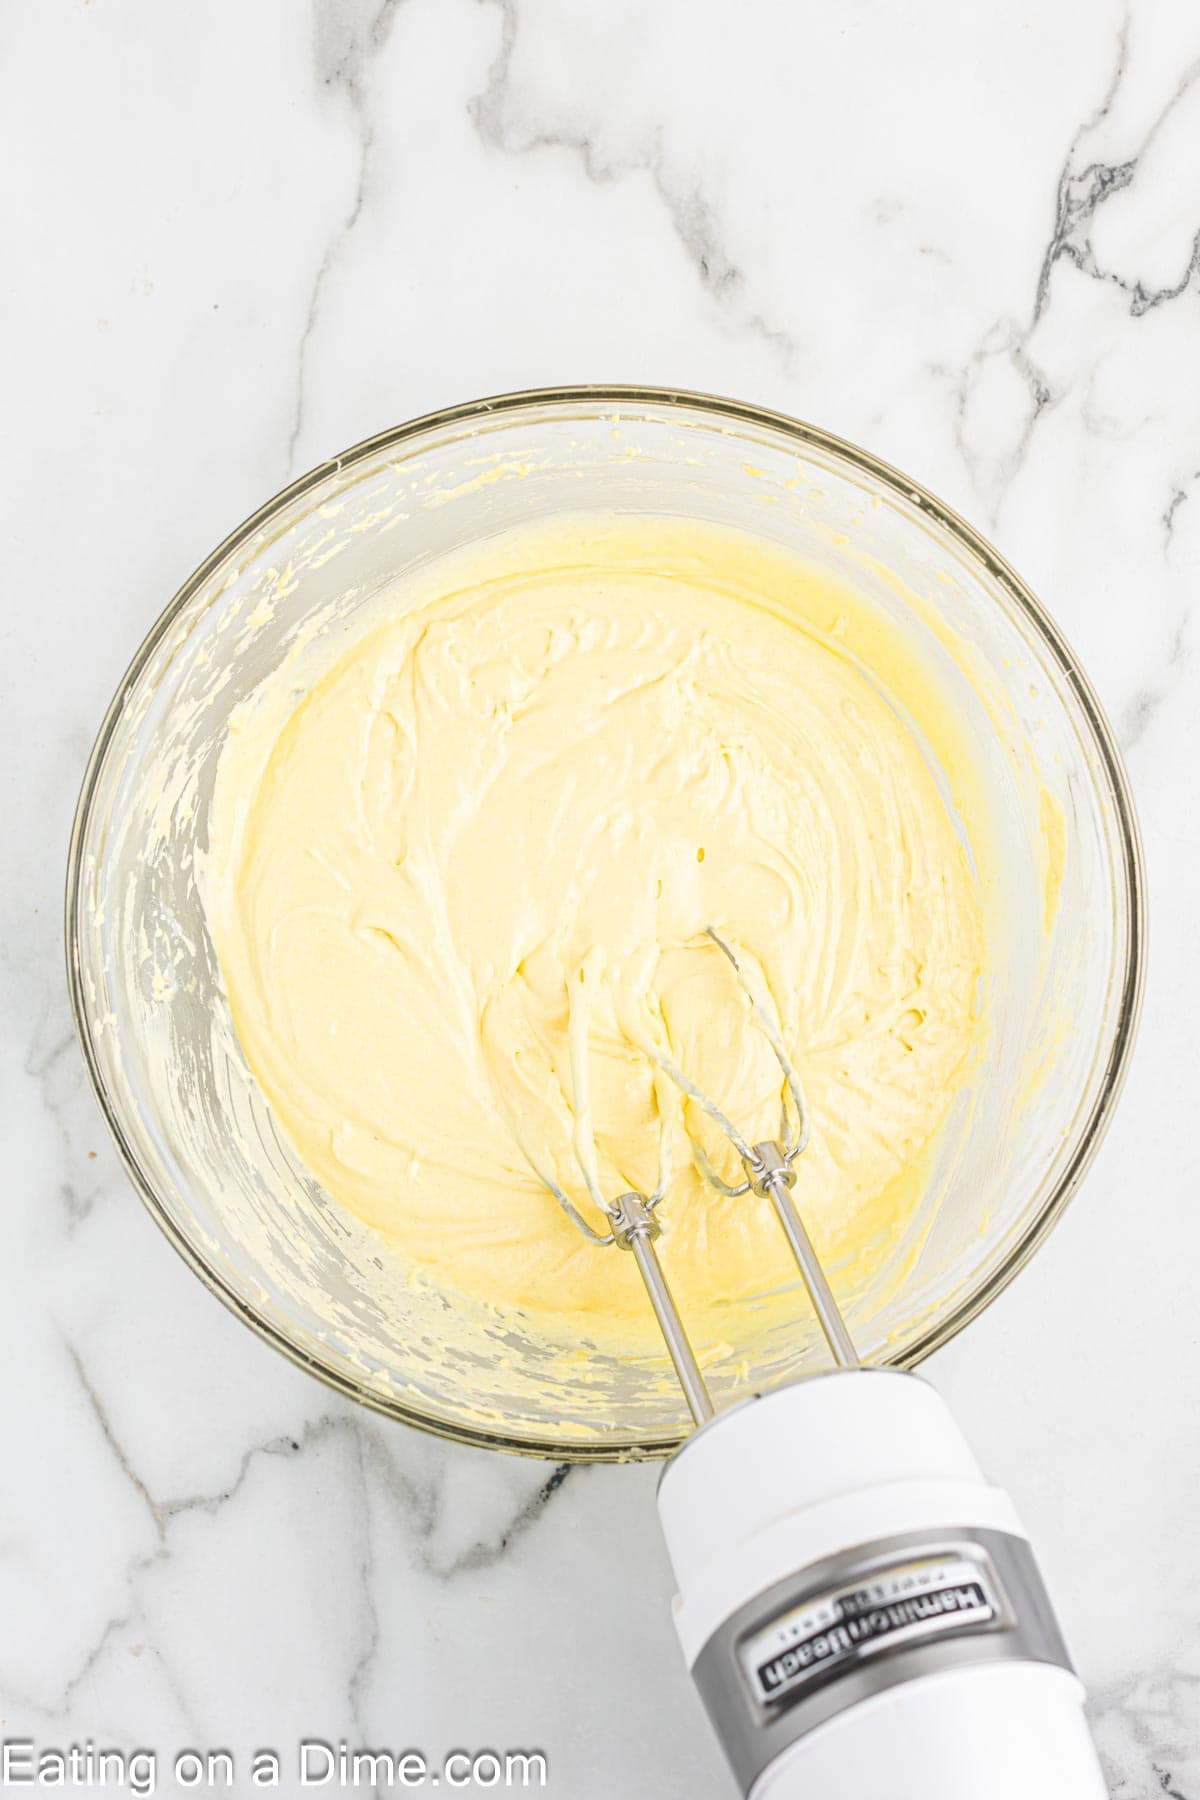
x=560, y=760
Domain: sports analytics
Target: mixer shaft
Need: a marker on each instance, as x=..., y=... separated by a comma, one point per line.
x=771, y=1175
x=635, y=1228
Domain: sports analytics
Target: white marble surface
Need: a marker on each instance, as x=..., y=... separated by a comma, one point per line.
x=240, y=237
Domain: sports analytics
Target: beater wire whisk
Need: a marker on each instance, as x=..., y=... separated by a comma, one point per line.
x=768, y=1172
x=768, y=1165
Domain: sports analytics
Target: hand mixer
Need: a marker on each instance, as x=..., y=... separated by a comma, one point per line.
x=860, y=1610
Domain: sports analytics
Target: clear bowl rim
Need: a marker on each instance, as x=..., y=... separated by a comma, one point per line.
x=1131, y=883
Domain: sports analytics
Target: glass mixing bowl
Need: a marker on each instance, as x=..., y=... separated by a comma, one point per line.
x=196, y=1132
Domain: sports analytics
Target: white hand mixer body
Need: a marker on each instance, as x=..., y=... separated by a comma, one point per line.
x=861, y=1612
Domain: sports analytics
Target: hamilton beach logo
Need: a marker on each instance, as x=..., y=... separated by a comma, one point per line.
x=893, y=1609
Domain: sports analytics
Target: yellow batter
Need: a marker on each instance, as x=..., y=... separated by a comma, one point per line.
x=561, y=760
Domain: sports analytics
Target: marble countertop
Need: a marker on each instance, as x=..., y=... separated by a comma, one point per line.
x=240, y=238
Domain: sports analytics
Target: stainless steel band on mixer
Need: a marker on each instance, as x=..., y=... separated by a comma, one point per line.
x=865, y=1620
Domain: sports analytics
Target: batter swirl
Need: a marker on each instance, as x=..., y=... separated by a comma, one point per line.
x=569, y=758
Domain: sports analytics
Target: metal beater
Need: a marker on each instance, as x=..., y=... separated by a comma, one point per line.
x=769, y=1173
